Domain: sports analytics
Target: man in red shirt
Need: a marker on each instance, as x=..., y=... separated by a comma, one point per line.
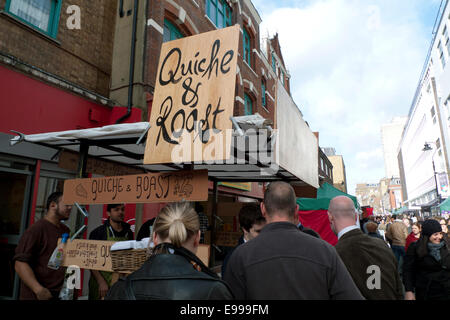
x=35, y=249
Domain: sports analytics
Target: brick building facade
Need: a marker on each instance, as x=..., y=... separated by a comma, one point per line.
x=255, y=80
x=52, y=78
x=82, y=56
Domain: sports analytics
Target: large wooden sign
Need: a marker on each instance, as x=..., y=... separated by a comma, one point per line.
x=96, y=255
x=194, y=99
x=140, y=188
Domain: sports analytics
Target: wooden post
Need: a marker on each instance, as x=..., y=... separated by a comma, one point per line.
x=213, y=224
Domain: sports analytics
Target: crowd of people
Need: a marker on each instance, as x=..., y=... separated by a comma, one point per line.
x=376, y=258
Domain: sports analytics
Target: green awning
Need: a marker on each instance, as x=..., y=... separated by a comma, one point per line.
x=445, y=206
x=400, y=210
x=324, y=194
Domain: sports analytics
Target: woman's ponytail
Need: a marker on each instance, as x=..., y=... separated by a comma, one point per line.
x=176, y=223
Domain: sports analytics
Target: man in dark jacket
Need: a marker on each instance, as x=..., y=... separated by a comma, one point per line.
x=369, y=260
x=251, y=222
x=114, y=229
x=283, y=263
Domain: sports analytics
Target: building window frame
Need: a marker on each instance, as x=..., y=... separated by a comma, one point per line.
x=53, y=22
x=263, y=93
x=446, y=39
x=441, y=54
x=222, y=13
x=274, y=63
x=433, y=114
x=174, y=31
x=247, y=47
x=248, y=105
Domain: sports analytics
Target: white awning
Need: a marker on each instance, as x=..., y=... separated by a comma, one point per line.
x=125, y=144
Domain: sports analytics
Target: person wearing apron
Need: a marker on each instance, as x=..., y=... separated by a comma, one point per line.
x=109, y=232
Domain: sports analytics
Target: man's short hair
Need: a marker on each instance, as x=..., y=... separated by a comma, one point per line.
x=112, y=206
x=249, y=215
x=54, y=197
x=280, y=197
x=371, y=227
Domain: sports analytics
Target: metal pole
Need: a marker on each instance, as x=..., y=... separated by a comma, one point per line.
x=438, y=195
x=213, y=224
x=81, y=173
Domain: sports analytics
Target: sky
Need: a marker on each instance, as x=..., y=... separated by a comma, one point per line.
x=354, y=65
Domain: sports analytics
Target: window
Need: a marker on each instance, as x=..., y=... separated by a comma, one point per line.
x=441, y=52
x=248, y=105
x=433, y=115
x=282, y=78
x=274, y=64
x=219, y=12
x=247, y=48
x=446, y=39
x=42, y=15
x=263, y=93
x=171, y=32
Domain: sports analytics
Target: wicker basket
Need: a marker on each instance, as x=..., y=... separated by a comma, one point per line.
x=127, y=261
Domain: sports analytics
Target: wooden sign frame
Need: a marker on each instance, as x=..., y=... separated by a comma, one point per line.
x=142, y=188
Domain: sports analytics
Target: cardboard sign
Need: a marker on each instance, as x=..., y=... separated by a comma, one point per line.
x=194, y=99
x=96, y=255
x=88, y=254
x=141, y=188
x=69, y=160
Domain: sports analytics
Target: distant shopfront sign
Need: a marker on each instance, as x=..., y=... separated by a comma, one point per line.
x=443, y=184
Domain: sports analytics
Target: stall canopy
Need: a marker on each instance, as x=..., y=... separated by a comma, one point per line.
x=313, y=212
x=400, y=210
x=445, y=206
x=324, y=194
x=125, y=144
x=254, y=153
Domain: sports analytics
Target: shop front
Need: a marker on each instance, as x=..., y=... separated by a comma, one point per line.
x=29, y=173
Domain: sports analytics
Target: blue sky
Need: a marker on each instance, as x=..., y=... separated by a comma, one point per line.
x=354, y=65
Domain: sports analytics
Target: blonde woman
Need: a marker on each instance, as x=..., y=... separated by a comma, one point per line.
x=173, y=272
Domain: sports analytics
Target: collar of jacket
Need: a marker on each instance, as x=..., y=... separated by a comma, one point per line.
x=284, y=225
x=351, y=233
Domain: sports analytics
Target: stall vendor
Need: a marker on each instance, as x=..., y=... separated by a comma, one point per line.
x=114, y=229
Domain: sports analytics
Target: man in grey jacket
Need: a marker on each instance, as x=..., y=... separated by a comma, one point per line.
x=284, y=263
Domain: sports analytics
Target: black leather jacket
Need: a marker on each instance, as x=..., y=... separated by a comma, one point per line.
x=171, y=277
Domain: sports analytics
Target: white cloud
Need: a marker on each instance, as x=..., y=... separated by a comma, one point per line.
x=354, y=65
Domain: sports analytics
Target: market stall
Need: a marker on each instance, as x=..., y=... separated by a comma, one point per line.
x=192, y=137
x=313, y=212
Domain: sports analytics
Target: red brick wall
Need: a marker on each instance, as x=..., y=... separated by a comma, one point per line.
x=80, y=56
